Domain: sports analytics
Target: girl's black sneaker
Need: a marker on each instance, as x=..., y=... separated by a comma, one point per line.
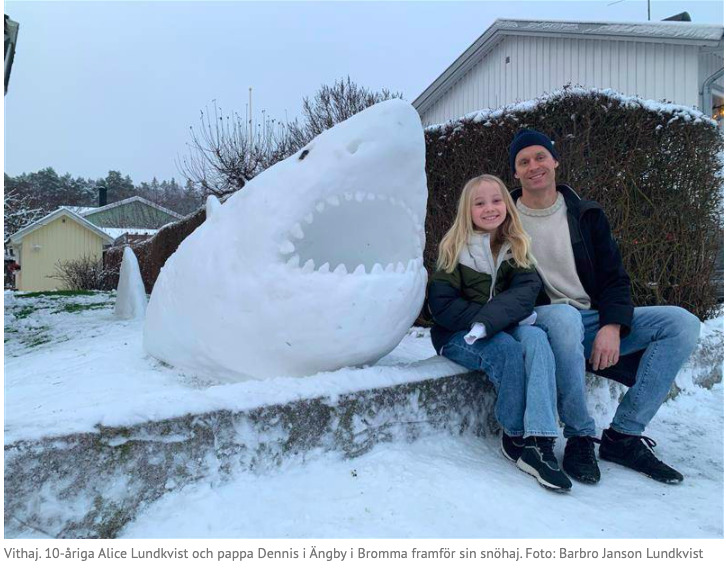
x=538, y=459
x=512, y=446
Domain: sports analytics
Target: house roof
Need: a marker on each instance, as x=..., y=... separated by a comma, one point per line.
x=706, y=35
x=87, y=211
x=20, y=234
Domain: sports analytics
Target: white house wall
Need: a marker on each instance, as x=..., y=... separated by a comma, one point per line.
x=651, y=70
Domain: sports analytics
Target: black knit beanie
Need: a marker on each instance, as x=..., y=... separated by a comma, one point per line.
x=525, y=138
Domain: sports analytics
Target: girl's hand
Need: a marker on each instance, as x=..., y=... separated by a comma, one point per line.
x=606, y=347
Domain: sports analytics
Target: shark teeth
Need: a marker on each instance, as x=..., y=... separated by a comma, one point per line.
x=336, y=200
x=399, y=268
x=297, y=231
x=309, y=266
x=287, y=247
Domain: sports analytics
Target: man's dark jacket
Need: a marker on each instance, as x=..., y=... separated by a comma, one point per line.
x=601, y=272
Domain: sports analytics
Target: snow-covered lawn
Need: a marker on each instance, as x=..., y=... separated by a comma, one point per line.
x=70, y=365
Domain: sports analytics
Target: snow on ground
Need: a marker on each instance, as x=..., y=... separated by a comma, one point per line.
x=447, y=487
x=70, y=364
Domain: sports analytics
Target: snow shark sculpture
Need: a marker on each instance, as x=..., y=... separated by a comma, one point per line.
x=315, y=265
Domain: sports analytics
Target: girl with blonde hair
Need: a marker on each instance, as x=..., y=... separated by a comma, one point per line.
x=481, y=299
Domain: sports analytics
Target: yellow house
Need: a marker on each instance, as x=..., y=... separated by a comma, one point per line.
x=62, y=235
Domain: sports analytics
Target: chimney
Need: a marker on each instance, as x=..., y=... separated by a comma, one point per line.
x=102, y=199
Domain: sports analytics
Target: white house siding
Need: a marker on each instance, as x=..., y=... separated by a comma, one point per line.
x=651, y=70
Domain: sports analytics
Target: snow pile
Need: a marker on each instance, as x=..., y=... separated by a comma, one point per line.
x=131, y=294
x=315, y=265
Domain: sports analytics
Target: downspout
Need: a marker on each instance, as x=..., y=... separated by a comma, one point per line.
x=705, y=92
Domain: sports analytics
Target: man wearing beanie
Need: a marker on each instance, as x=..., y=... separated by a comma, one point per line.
x=587, y=311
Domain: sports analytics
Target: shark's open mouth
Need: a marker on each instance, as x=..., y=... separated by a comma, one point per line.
x=316, y=264
x=356, y=233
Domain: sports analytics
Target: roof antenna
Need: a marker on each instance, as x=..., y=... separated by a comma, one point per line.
x=619, y=1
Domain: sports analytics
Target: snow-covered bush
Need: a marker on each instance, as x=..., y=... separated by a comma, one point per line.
x=654, y=167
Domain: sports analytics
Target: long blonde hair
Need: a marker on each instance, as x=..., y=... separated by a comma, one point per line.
x=510, y=230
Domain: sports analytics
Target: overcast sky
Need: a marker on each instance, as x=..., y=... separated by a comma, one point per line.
x=116, y=85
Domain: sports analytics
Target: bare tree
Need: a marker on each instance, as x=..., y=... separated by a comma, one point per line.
x=333, y=104
x=19, y=211
x=223, y=156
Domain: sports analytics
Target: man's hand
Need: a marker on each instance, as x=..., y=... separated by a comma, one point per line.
x=605, y=347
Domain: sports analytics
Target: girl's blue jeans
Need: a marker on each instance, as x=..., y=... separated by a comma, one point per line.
x=520, y=364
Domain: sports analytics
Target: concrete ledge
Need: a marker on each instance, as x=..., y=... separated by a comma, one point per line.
x=91, y=485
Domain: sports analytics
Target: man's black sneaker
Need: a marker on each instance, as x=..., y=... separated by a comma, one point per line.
x=512, y=446
x=580, y=462
x=538, y=459
x=635, y=452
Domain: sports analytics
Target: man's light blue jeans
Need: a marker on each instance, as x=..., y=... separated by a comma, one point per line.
x=668, y=335
x=521, y=366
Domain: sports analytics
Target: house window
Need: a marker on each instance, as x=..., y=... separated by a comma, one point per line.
x=717, y=110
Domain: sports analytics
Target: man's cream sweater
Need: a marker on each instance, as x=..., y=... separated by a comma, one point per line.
x=552, y=248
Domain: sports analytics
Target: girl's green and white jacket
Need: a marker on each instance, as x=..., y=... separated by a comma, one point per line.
x=496, y=293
